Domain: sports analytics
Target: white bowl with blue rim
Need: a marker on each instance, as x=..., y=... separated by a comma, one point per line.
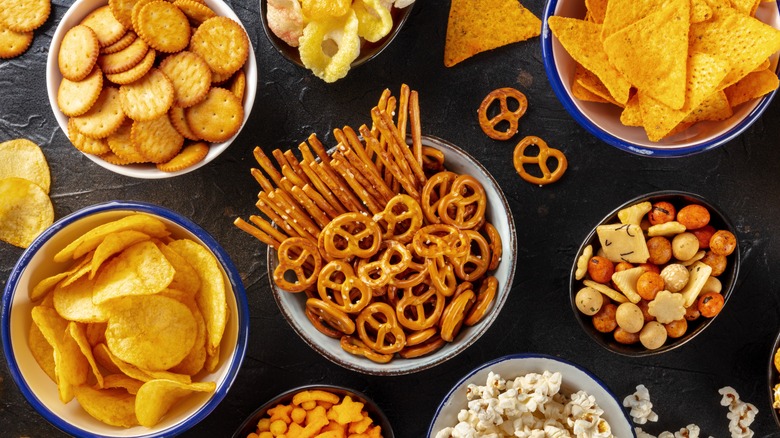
x=574, y=378
x=41, y=392
x=603, y=120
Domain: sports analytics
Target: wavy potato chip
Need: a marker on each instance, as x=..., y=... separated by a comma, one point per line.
x=70, y=365
x=42, y=351
x=127, y=383
x=115, y=407
x=141, y=269
x=156, y=397
x=74, y=302
x=103, y=354
x=76, y=331
x=43, y=287
x=186, y=278
x=115, y=243
x=25, y=211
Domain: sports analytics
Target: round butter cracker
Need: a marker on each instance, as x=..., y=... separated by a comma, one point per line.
x=222, y=43
x=190, y=155
x=24, y=15
x=105, y=116
x=218, y=117
x=74, y=98
x=13, y=43
x=88, y=145
x=163, y=26
x=124, y=59
x=157, y=140
x=123, y=11
x=78, y=53
x=197, y=12
x=136, y=72
x=123, y=43
x=190, y=75
x=121, y=144
x=179, y=122
x=107, y=28
x=147, y=98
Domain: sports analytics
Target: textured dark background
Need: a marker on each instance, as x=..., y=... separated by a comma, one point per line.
x=741, y=177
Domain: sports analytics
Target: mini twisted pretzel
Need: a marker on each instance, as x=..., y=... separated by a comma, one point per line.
x=434, y=189
x=545, y=152
x=331, y=316
x=349, y=294
x=415, y=273
x=321, y=326
x=355, y=346
x=442, y=275
x=351, y=234
x=464, y=205
x=392, y=259
x=427, y=347
x=454, y=314
x=496, y=248
x=385, y=336
x=294, y=254
x=475, y=263
x=420, y=336
x=505, y=114
x=485, y=297
x=440, y=239
x=402, y=217
x=420, y=308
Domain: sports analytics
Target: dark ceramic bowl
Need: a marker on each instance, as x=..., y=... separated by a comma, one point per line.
x=728, y=278
x=250, y=424
x=774, y=379
x=368, y=50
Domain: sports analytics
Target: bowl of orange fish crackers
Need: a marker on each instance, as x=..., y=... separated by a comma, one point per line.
x=124, y=319
x=663, y=79
x=151, y=89
x=317, y=410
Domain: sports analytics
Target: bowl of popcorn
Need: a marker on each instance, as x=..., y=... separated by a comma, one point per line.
x=654, y=273
x=526, y=395
x=319, y=410
x=390, y=276
x=331, y=37
x=124, y=319
x=637, y=83
x=145, y=102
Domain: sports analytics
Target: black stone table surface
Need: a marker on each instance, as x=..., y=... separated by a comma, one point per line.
x=742, y=177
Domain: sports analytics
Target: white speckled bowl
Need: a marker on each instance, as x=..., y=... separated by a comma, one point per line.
x=603, y=120
x=575, y=378
x=76, y=13
x=41, y=392
x=498, y=213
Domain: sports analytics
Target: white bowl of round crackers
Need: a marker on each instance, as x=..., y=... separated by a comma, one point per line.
x=107, y=400
x=145, y=103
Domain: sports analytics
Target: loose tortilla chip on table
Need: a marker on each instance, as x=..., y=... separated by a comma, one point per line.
x=475, y=26
x=744, y=41
x=652, y=53
x=755, y=84
x=705, y=73
x=582, y=40
x=25, y=211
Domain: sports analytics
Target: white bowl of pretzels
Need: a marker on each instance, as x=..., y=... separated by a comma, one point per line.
x=148, y=103
x=384, y=257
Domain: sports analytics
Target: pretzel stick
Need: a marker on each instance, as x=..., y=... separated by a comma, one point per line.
x=350, y=138
x=386, y=123
x=357, y=157
x=321, y=202
x=364, y=182
x=345, y=195
x=391, y=164
x=269, y=229
x=283, y=217
x=265, y=184
x=306, y=153
x=360, y=190
x=281, y=160
x=311, y=207
x=264, y=206
x=319, y=149
x=323, y=188
x=403, y=110
x=414, y=119
x=295, y=165
x=292, y=177
x=259, y=235
x=267, y=165
x=298, y=214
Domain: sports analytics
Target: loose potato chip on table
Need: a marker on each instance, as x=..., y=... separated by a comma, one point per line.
x=25, y=211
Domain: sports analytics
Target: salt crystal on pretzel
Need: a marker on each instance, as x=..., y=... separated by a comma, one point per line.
x=321, y=202
x=281, y=199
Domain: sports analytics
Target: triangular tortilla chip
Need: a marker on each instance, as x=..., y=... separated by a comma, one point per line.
x=714, y=107
x=652, y=53
x=621, y=13
x=755, y=84
x=746, y=6
x=597, y=10
x=583, y=93
x=582, y=40
x=590, y=82
x=700, y=11
x=632, y=114
x=475, y=26
x=743, y=40
x=705, y=72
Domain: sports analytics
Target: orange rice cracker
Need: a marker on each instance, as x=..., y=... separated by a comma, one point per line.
x=218, y=117
x=74, y=98
x=163, y=26
x=13, y=43
x=156, y=139
x=124, y=59
x=190, y=75
x=222, y=43
x=190, y=155
x=147, y=98
x=238, y=84
x=105, y=116
x=123, y=43
x=88, y=145
x=754, y=85
x=136, y=72
x=78, y=53
x=582, y=40
x=121, y=144
x=179, y=122
x=107, y=28
x=123, y=11
x=24, y=15
x=197, y=12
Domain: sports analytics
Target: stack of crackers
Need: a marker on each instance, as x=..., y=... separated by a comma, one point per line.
x=148, y=81
x=18, y=20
